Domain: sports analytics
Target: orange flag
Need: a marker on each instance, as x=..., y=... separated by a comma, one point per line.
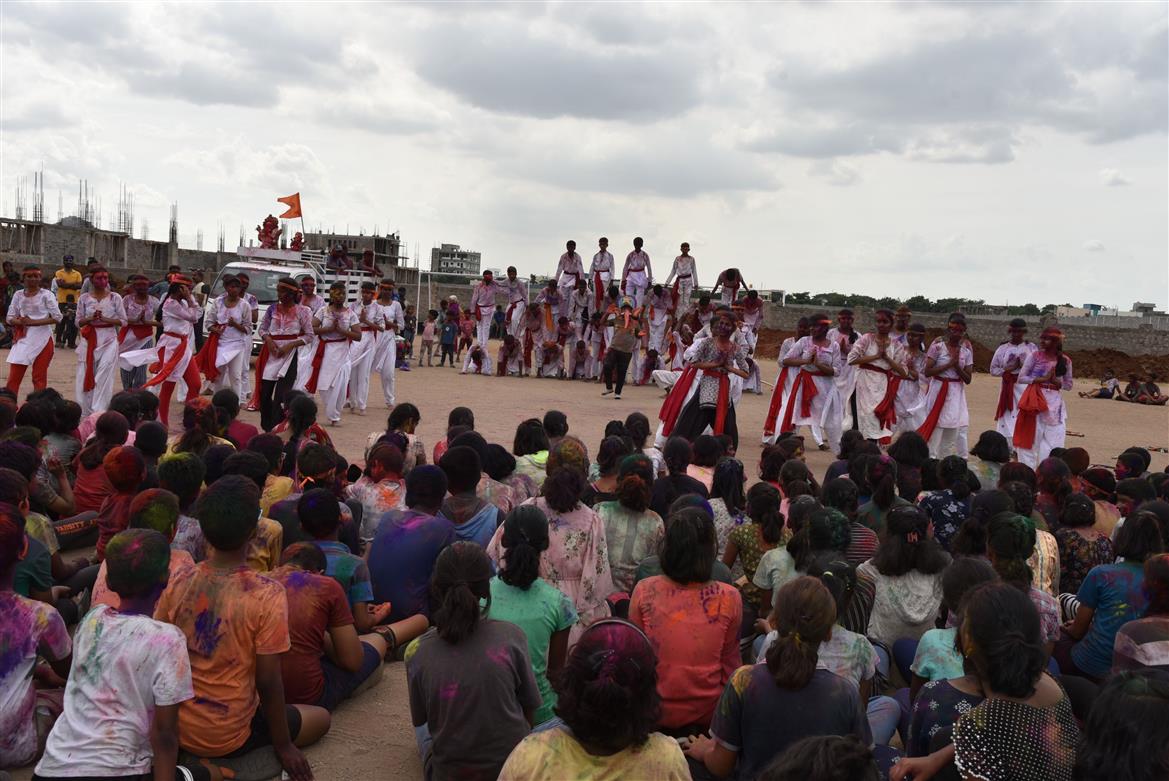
x=293, y=203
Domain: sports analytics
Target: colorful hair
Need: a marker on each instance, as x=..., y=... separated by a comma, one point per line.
x=137, y=562
x=125, y=468
x=157, y=509
x=11, y=537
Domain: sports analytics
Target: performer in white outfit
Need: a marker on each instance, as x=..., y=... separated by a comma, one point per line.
x=246, y=394
x=138, y=333
x=100, y=313
x=1042, y=417
x=1007, y=361
x=33, y=313
x=579, y=303
x=385, y=357
x=881, y=362
x=595, y=336
x=911, y=392
x=483, y=305
x=511, y=357
x=172, y=360
x=675, y=359
x=601, y=274
x=845, y=336
x=657, y=313
x=371, y=323
x=637, y=274
x=684, y=275
x=230, y=345
x=335, y=325
x=517, y=302
x=304, y=355
x=900, y=332
x=783, y=382
x=286, y=328
x=727, y=285
x=579, y=361
x=814, y=399
x=569, y=270
x=753, y=314
x=948, y=364
x=476, y=361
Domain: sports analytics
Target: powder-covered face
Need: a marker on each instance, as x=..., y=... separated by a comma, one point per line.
x=336, y=296
x=101, y=280
x=884, y=325
x=722, y=326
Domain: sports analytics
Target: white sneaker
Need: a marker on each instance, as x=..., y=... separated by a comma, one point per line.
x=618, y=396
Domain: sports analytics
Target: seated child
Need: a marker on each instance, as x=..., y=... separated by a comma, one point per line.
x=1109, y=386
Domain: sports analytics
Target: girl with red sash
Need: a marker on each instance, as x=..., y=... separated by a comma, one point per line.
x=287, y=326
x=814, y=399
x=32, y=314
x=138, y=333
x=913, y=387
x=881, y=364
x=100, y=313
x=172, y=359
x=1042, y=417
x=783, y=383
x=335, y=326
x=702, y=396
x=1006, y=363
x=949, y=364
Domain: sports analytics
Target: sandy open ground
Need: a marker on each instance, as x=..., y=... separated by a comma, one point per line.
x=372, y=736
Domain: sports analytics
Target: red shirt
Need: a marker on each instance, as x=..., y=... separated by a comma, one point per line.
x=113, y=517
x=241, y=433
x=316, y=604
x=91, y=488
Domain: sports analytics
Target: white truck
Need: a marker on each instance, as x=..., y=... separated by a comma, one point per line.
x=266, y=267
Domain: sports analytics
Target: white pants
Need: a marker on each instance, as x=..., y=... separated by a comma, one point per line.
x=105, y=368
x=566, y=292
x=387, y=370
x=232, y=374
x=334, y=396
x=483, y=325
x=948, y=442
x=635, y=286
x=516, y=328
x=828, y=434
x=359, y=373
x=685, y=290
x=1046, y=438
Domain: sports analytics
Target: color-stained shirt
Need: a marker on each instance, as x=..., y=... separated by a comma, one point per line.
x=316, y=604
x=936, y=658
x=694, y=631
x=266, y=546
x=631, y=536
x=555, y=754
x=1114, y=592
x=101, y=594
x=229, y=617
x=348, y=570
x=541, y=610
x=401, y=560
x=377, y=499
x=27, y=629
x=124, y=666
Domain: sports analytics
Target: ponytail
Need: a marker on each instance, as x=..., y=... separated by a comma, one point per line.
x=634, y=479
x=882, y=475
x=525, y=537
x=1011, y=538
x=952, y=474
x=462, y=575
x=804, y=616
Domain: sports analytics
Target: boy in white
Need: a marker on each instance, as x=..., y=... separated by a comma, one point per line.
x=1007, y=361
x=385, y=356
x=675, y=359
x=100, y=313
x=579, y=303
x=579, y=361
x=361, y=351
x=814, y=399
x=601, y=273
x=658, y=307
x=33, y=313
x=129, y=674
x=483, y=305
x=569, y=270
x=783, y=383
x=233, y=323
x=1048, y=370
x=476, y=361
x=517, y=303
x=595, y=336
x=138, y=333
x=881, y=361
x=845, y=336
x=949, y=365
x=684, y=274
x=637, y=274
x=335, y=325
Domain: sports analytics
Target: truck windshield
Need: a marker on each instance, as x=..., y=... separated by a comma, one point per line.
x=262, y=284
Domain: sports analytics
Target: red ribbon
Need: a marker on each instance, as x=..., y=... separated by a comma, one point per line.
x=163, y=367
x=724, y=400
x=89, y=334
x=262, y=359
x=1031, y=404
x=1006, y=394
x=318, y=360
x=141, y=330
x=598, y=289
x=926, y=430
x=205, y=358
x=672, y=406
x=807, y=385
x=776, y=398
x=885, y=411
x=529, y=345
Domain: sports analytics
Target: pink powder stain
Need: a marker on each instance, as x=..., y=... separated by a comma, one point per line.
x=498, y=656
x=449, y=691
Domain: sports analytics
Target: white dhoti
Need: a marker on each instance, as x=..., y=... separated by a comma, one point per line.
x=636, y=283
x=27, y=349
x=304, y=363
x=361, y=354
x=385, y=363
x=105, y=367
x=483, y=325
x=910, y=413
x=824, y=412
x=1050, y=429
x=665, y=378
x=871, y=386
x=333, y=379
x=515, y=326
x=230, y=359
x=948, y=436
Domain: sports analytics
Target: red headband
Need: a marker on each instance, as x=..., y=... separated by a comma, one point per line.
x=1053, y=332
x=179, y=279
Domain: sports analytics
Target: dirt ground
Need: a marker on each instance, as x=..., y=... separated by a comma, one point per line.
x=372, y=735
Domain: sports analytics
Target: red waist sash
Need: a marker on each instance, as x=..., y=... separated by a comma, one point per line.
x=931, y=421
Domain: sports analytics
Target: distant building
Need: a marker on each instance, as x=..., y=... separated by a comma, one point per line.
x=387, y=249
x=1145, y=309
x=452, y=259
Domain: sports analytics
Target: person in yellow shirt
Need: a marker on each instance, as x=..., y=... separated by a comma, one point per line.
x=68, y=282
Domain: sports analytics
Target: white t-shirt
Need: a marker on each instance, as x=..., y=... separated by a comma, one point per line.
x=123, y=666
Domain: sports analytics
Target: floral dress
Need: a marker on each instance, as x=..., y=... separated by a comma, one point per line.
x=947, y=514
x=1078, y=554
x=748, y=540
x=726, y=522
x=938, y=707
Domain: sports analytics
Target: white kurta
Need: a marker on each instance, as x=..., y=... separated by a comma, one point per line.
x=304, y=356
x=871, y=386
x=955, y=413
x=361, y=351
x=138, y=313
x=845, y=376
x=105, y=357
x=517, y=304
x=235, y=346
x=298, y=323
x=385, y=356
x=825, y=408
x=335, y=363
x=35, y=307
x=910, y=394
x=178, y=319
x=1050, y=426
x=1003, y=355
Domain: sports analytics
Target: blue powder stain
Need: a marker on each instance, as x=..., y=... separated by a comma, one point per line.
x=207, y=632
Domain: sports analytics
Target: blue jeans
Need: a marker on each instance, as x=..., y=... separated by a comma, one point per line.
x=884, y=717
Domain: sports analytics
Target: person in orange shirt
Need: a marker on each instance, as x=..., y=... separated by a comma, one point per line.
x=236, y=626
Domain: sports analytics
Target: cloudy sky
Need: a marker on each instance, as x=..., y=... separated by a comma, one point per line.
x=1008, y=152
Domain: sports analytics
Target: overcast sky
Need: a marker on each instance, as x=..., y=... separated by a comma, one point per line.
x=1008, y=152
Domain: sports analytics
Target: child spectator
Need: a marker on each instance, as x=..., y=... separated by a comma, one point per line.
x=530, y=448
x=29, y=629
x=182, y=474
x=949, y=507
x=1081, y=545
x=632, y=530
x=200, y=429
x=520, y=596
x=276, y=486
x=1126, y=733
x=238, y=432
x=451, y=688
x=265, y=546
x=236, y=626
x=380, y=487
x=156, y=510
x=475, y=519
x=1109, y=387
x=428, y=333
x=120, y=719
x=609, y=709
x=92, y=487
x=124, y=469
x=321, y=519
x=752, y=540
x=446, y=342
x=676, y=482
x=150, y=441
x=823, y=758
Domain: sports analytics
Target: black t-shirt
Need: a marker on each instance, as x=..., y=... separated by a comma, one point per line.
x=667, y=489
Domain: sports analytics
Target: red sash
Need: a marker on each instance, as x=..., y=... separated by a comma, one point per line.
x=648, y=371
x=163, y=367
x=724, y=400
x=549, y=323
x=318, y=360
x=262, y=361
x=89, y=334
x=205, y=358
x=141, y=330
x=598, y=289
x=510, y=309
x=672, y=406
x=805, y=383
x=931, y=421
x=776, y=399
x=672, y=353
x=529, y=345
x=1006, y=395
x=885, y=411
x=674, y=291
x=1031, y=404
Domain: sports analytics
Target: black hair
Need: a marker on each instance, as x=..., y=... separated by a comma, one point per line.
x=461, y=416
x=426, y=486
x=953, y=475
x=637, y=428
x=635, y=481
x=147, y=403
x=562, y=488
x=302, y=413
x=907, y=546
x=910, y=449
x=1077, y=511
x=306, y=556
x=182, y=474
x=837, y=575
x=770, y=462
x=881, y=475
x=706, y=451
x=971, y=537
x=69, y=416
x=20, y=458
x=555, y=423
x=677, y=454
x=150, y=438
x=213, y=459
x=1021, y=496
x=248, y=464
x=401, y=414
x=314, y=459
x=1139, y=537
x=319, y=513
x=615, y=428
x=530, y=437
x=610, y=454
x=13, y=486
x=727, y=484
x=270, y=446
x=961, y=576
x=763, y=503
x=26, y=435
x=137, y=562
x=228, y=512
x=525, y=537
x=40, y=415
x=126, y=402
x=858, y=465
x=387, y=456
x=1010, y=538
x=840, y=493
x=804, y=615
x=1143, y=454
x=226, y=399
x=1018, y=472
x=463, y=469
x=1126, y=732
x=823, y=758
x=499, y=463
x=689, y=547
x=111, y=431
x=1006, y=646
x=1136, y=488
x=460, y=582
x=200, y=423
x=992, y=446
x=1159, y=508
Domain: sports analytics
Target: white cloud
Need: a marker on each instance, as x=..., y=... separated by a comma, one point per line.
x=1094, y=245
x=1110, y=177
x=837, y=172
